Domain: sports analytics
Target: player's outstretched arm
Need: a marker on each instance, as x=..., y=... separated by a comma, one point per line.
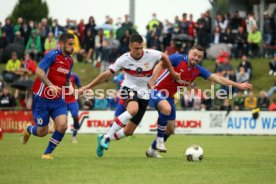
x=157, y=69
x=226, y=82
x=167, y=63
x=100, y=79
x=42, y=75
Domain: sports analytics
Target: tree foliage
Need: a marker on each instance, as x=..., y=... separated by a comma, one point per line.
x=30, y=10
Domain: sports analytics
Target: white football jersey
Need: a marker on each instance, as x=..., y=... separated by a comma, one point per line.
x=137, y=72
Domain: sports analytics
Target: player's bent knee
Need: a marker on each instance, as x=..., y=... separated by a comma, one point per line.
x=42, y=131
x=62, y=128
x=132, y=111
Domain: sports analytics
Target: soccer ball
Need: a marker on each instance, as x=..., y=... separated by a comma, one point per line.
x=194, y=153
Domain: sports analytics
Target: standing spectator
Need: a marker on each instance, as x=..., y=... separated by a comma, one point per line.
x=56, y=28
x=250, y=22
x=254, y=40
x=184, y=24
x=44, y=32
x=239, y=101
x=271, y=90
x=124, y=42
x=192, y=26
x=127, y=22
x=89, y=45
x=7, y=99
x=208, y=28
x=222, y=22
x=34, y=45
x=263, y=101
x=8, y=28
x=19, y=24
x=154, y=22
x=267, y=29
x=91, y=25
x=201, y=31
x=240, y=46
x=272, y=106
x=25, y=31
x=50, y=43
x=3, y=43
x=155, y=42
x=246, y=64
x=12, y=67
x=272, y=66
x=99, y=40
x=250, y=101
x=18, y=39
x=81, y=30
x=235, y=22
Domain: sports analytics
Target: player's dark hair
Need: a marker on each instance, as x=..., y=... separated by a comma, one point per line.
x=198, y=47
x=65, y=36
x=136, y=38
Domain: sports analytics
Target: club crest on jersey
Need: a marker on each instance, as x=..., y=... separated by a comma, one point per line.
x=139, y=70
x=62, y=70
x=146, y=65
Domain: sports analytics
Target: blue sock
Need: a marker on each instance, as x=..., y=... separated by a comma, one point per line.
x=74, y=133
x=162, y=126
x=54, y=141
x=32, y=130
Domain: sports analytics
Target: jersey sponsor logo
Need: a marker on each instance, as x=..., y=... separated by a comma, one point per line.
x=62, y=70
x=183, y=82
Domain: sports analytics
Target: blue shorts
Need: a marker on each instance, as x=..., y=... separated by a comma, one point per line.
x=44, y=108
x=119, y=110
x=73, y=108
x=156, y=97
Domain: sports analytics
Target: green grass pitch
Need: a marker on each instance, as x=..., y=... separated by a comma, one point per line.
x=227, y=159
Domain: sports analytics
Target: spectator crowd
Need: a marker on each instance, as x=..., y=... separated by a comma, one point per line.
x=24, y=43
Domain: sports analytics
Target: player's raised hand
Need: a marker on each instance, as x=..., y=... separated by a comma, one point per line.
x=81, y=90
x=244, y=86
x=151, y=84
x=176, y=76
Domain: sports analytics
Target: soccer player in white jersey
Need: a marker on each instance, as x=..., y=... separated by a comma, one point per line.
x=138, y=65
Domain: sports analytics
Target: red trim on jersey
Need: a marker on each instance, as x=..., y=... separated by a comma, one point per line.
x=119, y=122
x=142, y=74
x=116, y=136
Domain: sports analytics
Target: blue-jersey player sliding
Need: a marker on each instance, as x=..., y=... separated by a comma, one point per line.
x=53, y=73
x=188, y=68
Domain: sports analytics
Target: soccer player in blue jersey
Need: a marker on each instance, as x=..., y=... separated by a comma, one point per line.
x=188, y=68
x=53, y=72
x=73, y=105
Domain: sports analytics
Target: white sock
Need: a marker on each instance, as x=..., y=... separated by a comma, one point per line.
x=160, y=139
x=118, y=135
x=118, y=124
